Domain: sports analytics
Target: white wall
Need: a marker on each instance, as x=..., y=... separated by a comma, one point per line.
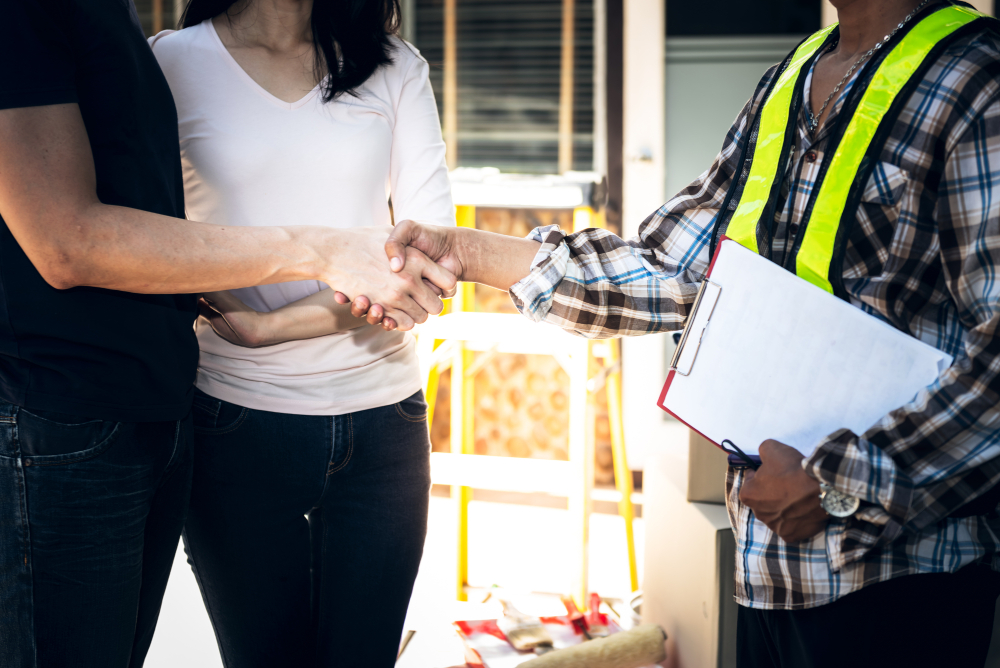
x=644, y=41
x=643, y=192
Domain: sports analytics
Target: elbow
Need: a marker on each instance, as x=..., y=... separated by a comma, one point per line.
x=59, y=266
x=60, y=258
x=60, y=272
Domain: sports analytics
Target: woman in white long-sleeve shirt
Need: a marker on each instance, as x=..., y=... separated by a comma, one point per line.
x=308, y=511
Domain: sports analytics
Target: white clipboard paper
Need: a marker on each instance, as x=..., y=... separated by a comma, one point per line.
x=765, y=354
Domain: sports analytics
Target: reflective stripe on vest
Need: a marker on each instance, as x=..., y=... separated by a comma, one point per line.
x=819, y=236
x=770, y=141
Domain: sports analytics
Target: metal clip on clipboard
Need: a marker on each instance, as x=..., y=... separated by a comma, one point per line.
x=694, y=330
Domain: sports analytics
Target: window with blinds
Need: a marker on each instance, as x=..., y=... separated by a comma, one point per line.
x=508, y=80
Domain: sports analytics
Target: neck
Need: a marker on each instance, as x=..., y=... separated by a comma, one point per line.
x=279, y=25
x=863, y=23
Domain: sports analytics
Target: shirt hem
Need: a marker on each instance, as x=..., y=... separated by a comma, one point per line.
x=262, y=402
x=761, y=605
x=37, y=97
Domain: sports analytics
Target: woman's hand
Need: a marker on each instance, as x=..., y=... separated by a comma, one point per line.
x=235, y=321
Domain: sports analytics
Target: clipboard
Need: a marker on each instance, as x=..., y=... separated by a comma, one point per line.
x=765, y=354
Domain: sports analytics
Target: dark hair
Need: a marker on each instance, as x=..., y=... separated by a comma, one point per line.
x=351, y=37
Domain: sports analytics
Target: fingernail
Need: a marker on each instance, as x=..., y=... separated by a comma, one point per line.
x=395, y=264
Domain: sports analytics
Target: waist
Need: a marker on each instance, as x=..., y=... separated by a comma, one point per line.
x=330, y=375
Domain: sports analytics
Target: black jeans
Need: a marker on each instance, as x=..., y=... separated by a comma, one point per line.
x=305, y=532
x=934, y=619
x=90, y=515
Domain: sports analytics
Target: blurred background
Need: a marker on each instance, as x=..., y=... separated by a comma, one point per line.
x=626, y=101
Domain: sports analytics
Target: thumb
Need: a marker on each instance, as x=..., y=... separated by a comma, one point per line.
x=395, y=245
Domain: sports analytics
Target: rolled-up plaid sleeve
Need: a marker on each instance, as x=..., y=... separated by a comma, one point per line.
x=597, y=285
x=925, y=460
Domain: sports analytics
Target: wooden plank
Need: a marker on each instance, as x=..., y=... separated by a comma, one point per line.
x=157, y=16
x=450, y=112
x=502, y=474
x=566, y=85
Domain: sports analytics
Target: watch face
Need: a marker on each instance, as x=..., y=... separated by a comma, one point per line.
x=839, y=504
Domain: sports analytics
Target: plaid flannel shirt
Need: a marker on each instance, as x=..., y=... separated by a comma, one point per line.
x=924, y=256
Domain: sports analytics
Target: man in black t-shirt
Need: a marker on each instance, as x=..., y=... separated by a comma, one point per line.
x=98, y=272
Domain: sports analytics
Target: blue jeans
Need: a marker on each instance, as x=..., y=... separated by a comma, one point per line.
x=305, y=532
x=90, y=515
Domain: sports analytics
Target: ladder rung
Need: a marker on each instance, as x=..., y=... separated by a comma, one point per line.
x=614, y=496
x=503, y=474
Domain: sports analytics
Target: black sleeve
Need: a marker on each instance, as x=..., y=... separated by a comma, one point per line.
x=36, y=63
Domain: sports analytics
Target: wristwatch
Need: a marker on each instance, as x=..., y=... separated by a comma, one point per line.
x=837, y=503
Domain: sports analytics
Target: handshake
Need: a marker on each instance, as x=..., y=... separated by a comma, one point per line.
x=393, y=277
x=425, y=263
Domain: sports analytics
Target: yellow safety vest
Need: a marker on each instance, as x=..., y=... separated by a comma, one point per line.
x=877, y=98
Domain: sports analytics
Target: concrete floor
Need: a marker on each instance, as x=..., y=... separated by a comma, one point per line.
x=521, y=547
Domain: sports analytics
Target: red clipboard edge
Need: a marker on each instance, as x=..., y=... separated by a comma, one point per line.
x=670, y=375
x=663, y=396
x=718, y=249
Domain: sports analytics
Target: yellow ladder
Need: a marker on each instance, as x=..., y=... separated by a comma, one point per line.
x=453, y=341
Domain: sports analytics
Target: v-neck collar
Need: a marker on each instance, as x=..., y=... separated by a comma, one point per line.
x=249, y=80
x=838, y=104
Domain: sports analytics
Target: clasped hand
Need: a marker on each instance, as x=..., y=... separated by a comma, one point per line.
x=409, y=240
x=405, y=294
x=782, y=495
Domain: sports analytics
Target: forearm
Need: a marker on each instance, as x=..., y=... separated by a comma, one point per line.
x=49, y=202
x=598, y=285
x=136, y=251
x=316, y=315
x=496, y=260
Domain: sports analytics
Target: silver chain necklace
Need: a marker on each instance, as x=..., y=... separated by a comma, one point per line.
x=814, y=118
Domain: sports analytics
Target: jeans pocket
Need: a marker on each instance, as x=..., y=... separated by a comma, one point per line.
x=214, y=416
x=413, y=408
x=47, y=439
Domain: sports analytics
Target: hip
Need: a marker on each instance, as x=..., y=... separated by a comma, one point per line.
x=381, y=448
x=318, y=377
x=772, y=574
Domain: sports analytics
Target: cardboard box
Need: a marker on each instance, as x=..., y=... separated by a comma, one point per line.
x=707, y=465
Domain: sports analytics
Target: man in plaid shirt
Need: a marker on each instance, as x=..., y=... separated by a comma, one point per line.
x=908, y=578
